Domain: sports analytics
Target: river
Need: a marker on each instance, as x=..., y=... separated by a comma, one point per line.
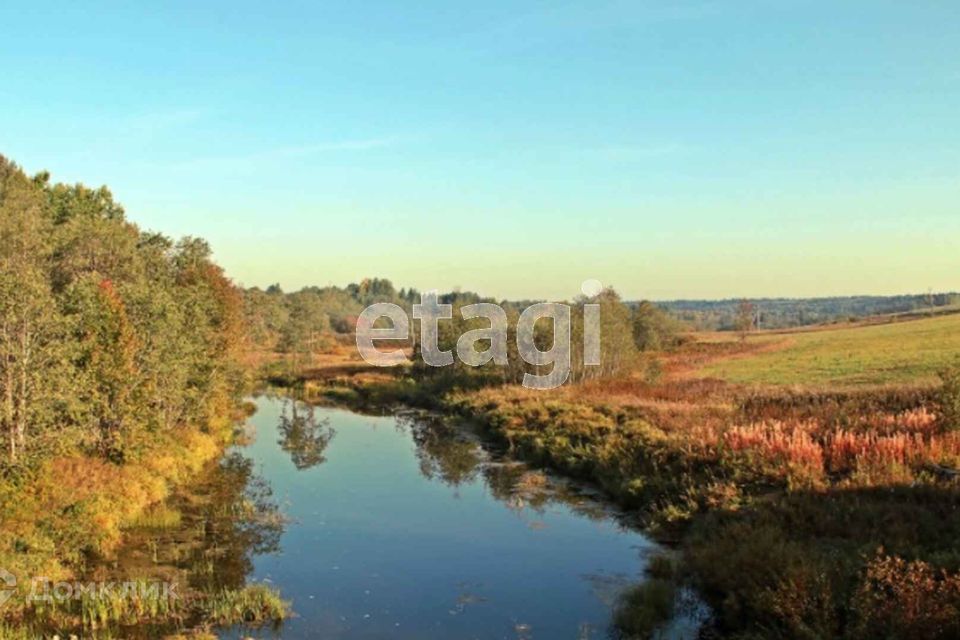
x=404, y=527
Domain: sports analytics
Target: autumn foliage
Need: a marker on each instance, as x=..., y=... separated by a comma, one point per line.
x=119, y=370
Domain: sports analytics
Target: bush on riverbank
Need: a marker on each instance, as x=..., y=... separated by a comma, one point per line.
x=949, y=397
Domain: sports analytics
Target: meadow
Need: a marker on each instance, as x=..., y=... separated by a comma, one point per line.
x=899, y=351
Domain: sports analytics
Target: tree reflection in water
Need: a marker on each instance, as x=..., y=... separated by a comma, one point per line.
x=441, y=451
x=240, y=521
x=302, y=435
x=224, y=518
x=451, y=454
x=229, y=516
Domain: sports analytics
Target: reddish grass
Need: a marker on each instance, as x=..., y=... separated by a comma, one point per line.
x=874, y=449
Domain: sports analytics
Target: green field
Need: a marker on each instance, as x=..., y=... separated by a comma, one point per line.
x=908, y=351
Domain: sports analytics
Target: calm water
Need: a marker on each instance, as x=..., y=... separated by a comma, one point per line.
x=397, y=528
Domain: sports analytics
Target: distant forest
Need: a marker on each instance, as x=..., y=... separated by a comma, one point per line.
x=310, y=319
x=782, y=313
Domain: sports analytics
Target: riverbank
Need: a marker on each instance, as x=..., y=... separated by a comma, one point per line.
x=121, y=380
x=786, y=525
x=72, y=518
x=798, y=512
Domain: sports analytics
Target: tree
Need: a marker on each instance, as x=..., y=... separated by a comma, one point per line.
x=213, y=311
x=107, y=334
x=265, y=315
x=744, y=320
x=307, y=324
x=106, y=361
x=30, y=351
x=372, y=290
x=618, y=352
x=653, y=328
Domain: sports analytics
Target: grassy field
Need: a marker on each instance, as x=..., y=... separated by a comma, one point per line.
x=899, y=352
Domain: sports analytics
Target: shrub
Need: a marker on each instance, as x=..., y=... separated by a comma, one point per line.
x=949, y=398
x=907, y=600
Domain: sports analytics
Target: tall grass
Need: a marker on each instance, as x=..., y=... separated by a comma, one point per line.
x=104, y=612
x=133, y=602
x=253, y=605
x=18, y=632
x=158, y=517
x=873, y=450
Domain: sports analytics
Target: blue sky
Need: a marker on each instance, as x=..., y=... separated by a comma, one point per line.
x=671, y=149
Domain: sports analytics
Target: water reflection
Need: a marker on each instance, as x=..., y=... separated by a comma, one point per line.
x=239, y=519
x=222, y=521
x=302, y=435
x=443, y=453
x=376, y=548
x=455, y=455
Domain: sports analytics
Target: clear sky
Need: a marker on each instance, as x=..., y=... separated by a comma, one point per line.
x=671, y=149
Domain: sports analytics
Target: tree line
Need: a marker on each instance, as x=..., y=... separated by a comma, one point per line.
x=314, y=320
x=108, y=334
x=784, y=313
